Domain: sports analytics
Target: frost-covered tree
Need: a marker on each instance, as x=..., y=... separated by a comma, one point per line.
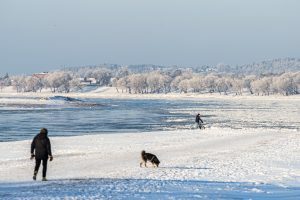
x=123, y=83
x=157, y=82
x=247, y=82
x=5, y=81
x=237, y=86
x=19, y=83
x=165, y=81
x=65, y=82
x=59, y=81
x=197, y=83
x=103, y=76
x=137, y=83
x=75, y=83
x=210, y=82
x=262, y=86
x=184, y=85
x=31, y=84
x=286, y=84
x=1, y=85
x=296, y=78
x=223, y=84
x=175, y=73
x=114, y=83
x=266, y=85
x=176, y=81
x=122, y=72
x=52, y=81
x=152, y=80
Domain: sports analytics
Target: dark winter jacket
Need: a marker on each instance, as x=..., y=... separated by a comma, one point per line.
x=41, y=145
x=198, y=119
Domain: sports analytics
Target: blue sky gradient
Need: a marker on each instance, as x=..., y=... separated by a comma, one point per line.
x=45, y=35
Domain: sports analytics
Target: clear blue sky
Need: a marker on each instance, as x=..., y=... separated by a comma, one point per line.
x=42, y=35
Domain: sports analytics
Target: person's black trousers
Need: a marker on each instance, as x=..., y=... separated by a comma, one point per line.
x=38, y=163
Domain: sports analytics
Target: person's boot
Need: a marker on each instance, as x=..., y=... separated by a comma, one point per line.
x=44, y=179
x=34, y=176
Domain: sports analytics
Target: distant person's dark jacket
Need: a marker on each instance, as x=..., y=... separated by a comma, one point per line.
x=41, y=145
x=198, y=119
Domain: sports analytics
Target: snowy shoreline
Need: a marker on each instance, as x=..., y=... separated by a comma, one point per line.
x=111, y=92
x=246, y=155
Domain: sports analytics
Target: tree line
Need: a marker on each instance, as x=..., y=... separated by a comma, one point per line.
x=188, y=82
x=157, y=81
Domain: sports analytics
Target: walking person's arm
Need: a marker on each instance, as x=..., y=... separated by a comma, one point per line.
x=49, y=149
x=32, y=148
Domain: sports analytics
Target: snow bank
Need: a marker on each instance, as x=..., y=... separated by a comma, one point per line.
x=218, y=155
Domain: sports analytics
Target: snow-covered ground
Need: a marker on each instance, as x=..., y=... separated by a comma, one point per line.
x=145, y=189
x=215, y=163
x=210, y=163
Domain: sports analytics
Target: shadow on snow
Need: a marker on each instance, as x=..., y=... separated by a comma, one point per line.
x=144, y=188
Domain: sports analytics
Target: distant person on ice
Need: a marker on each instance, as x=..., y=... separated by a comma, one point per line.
x=41, y=149
x=198, y=120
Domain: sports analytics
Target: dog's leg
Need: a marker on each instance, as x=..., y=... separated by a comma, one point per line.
x=143, y=163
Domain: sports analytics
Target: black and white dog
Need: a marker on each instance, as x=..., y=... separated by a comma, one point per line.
x=149, y=157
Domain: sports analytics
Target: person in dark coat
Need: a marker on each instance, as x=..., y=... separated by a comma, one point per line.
x=198, y=120
x=41, y=150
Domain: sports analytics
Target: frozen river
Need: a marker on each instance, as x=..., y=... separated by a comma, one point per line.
x=63, y=117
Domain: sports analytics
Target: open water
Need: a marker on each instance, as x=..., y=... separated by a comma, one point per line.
x=69, y=117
